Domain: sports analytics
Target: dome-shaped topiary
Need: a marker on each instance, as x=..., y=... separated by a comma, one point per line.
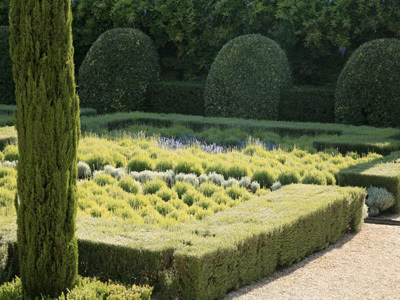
x=368, y=90
x=246, y=78
x=117, y=70
x=6, y=76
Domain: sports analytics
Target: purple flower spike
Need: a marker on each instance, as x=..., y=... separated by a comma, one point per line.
x=342, y=50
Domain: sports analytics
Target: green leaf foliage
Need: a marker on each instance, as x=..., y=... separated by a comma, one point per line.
x=308, y=104
x=368, y=90
x=185, y=98
x=117, y=71
x=6, y=77
x=246, y=79
x=48, y=128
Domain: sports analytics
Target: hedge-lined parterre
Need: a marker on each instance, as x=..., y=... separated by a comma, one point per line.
x=205, y=259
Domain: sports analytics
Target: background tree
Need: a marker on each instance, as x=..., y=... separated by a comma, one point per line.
x=48, y=133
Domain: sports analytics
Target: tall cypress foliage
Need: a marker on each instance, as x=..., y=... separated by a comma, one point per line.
x=48, y=133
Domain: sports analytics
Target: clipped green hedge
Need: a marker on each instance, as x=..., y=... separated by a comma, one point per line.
x=368, y=90
x=246, y=79
x=6, y=77
x=185, y=98
x=206, y=259
x=308, y=104
x=117, y=71
x=8, y=135
x=359, y=143
x=383, y=173
x=11, y=109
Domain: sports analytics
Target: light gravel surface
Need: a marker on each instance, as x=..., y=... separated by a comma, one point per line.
x=362, y=266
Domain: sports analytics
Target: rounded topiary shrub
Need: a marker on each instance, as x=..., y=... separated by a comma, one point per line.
x=246, y=78
x=6, y=76
x=117, y=70
x=368, y=90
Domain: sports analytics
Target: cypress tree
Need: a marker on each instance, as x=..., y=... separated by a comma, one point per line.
x=48, y=132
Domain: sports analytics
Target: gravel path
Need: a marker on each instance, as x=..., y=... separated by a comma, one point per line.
x=362, y=266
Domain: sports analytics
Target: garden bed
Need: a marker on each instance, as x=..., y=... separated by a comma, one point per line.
x=206, y=259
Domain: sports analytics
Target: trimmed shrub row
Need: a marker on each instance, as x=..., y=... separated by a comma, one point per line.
x=362, y=139
x=383, y=173
x=299, y=104
x=186, y=98
x=11, y=109
x=204, y=260
x=308, y=104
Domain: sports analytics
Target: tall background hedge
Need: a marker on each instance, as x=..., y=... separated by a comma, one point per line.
x=246, y=79
x=318, y=36
x=117, y=71
x=6, y=79
x=368, y=90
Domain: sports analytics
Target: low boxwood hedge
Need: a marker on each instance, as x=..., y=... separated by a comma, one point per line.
x=206, y=259
x=185, y=98
x=383, y=173
x=308, y=104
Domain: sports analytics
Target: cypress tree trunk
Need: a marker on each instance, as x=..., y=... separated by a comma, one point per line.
x=48, y=133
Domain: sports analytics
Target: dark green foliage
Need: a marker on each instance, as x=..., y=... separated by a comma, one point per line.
x=6, y=77
x=368, y=90
x=48, y=132
x=189, y=35
x=246, y=79
x=186, y=98
x=117, y=71
x=379, y=173
x=205, y=260
x=308, y=104
x=88, y=112
x=12, y=109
